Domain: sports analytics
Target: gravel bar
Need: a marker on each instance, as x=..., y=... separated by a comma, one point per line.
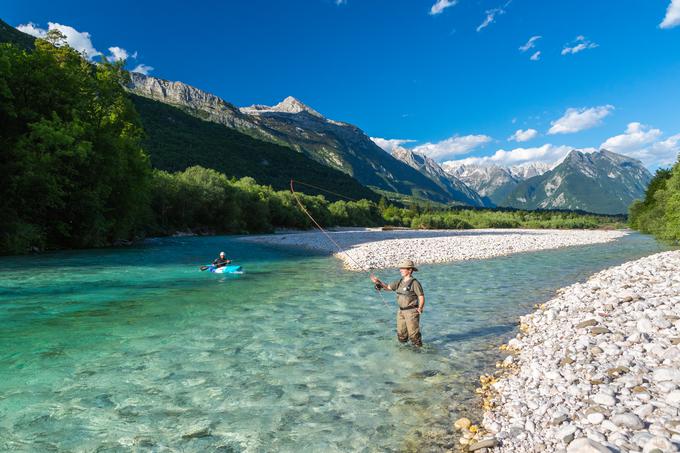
x=377, y=249
x=597, y=369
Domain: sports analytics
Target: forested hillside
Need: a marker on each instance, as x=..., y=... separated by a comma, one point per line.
x=176, y=140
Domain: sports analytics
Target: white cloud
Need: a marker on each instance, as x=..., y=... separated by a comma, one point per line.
x=118, y=54
x=549, y=154
x=642, y=142
x=575, y=120
x=491, y=16
x=530, y=44
x=390, y=144
x=523, y=136
x=441, y=5
x=32, y=29
x=340, y=2
x=452, y=146
x=143, y=69
x=672, y=18
x=80, y=41
x=536, y=56
x=578, y=45
x=636, y=136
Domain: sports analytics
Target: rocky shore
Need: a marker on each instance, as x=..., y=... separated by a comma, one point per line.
x=597, y=369
x=376, y=249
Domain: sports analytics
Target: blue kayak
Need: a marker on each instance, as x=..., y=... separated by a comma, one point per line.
x=228, y=269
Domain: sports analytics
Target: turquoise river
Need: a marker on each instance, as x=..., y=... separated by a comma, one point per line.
x=135, y=349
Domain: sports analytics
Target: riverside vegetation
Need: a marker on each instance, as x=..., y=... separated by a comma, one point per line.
x=659, y=212
x=76, y=172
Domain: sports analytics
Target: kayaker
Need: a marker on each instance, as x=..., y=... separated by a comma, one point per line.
x=221, y=261
x=410, y=302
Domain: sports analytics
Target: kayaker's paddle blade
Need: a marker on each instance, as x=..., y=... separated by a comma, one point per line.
x=205, y=268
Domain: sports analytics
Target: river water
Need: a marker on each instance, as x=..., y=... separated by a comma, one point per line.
x=136, y=349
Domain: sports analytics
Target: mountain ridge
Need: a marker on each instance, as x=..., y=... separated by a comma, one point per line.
x=426, y=165
x=291, y=123
x=601, y=182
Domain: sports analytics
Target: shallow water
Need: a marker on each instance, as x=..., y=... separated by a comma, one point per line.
x=136, y=349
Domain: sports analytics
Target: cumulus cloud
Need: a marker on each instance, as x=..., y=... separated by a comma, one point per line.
x=441, y=5
x=636, y=136
x=530, y=44
x=491, y=16
x=548, y=153
x=390, y=144
x=578, y=45
x=142, y=69
x=672, y=18
x=452, y=146
x=340, y=2
x=523, y=135
x=536, y=56
x=80, y=41
x=32, y=29
x=642, y=142
x=119, y=54
x=575, y=120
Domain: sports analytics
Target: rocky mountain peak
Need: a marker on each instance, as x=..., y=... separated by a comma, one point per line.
x=292, y=105
x=288, y=105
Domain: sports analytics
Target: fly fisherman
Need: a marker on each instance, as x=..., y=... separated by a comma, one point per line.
x=411, y=302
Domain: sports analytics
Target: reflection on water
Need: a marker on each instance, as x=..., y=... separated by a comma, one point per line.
x=122, y=349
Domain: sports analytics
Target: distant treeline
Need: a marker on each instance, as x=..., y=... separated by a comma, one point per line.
x=659, y=212
x=75, y=174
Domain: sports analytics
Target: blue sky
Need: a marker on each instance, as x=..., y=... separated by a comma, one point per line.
x=422, y=70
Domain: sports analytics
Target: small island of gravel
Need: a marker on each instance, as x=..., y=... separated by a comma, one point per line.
x=365, y=248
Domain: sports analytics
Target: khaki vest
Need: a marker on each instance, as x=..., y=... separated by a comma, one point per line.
x=406, y=297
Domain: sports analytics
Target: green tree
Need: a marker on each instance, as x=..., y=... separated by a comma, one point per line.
x=74, y=173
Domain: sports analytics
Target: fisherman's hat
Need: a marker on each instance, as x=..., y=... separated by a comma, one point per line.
x=408, y=264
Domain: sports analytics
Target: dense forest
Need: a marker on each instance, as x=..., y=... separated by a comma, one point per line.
x=73, y=169
x=76, y=169
x=659, y=212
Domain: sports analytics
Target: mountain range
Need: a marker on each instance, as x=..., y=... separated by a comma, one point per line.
x=293, y=124
x=601, y=182
x=493, y=182
x=187, y=126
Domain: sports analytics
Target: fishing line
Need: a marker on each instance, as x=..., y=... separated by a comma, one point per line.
x=322, y=189
x=340, y=249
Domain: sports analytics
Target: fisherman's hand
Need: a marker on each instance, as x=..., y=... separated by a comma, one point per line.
x=420, y=310
x=378, y=286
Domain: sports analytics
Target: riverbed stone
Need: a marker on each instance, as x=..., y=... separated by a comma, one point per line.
x=586, y=323
x=659, y=444
x=566, y=433
x=627, y=420
x=666, y=374
x=462, y=423
x=486, y=443
x=604, y=399
x=585, y=445
x=622, y=390
x=599, y=330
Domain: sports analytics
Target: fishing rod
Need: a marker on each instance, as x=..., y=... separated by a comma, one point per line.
x=340, y=249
